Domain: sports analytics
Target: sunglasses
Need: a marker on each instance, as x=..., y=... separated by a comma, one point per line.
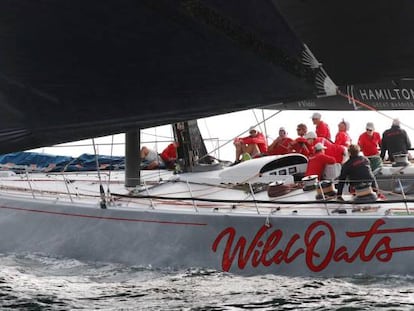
x=369, y=130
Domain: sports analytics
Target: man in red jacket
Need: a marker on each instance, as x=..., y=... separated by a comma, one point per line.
x=333, y=150
x=370, y=143
x=281, y=145
x=254, y=144
x=322, y=129
x=318, y=162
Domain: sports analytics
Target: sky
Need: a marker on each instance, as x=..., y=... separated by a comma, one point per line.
x=219, y=131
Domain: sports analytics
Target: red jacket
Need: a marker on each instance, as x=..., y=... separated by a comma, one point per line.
x=342, y=138
x=301, y=145
x=369, y=144
x=169, y=153
x=317, y=164
x=333, y=150
x=282, y=146
x=322, y=130
x=259, y=140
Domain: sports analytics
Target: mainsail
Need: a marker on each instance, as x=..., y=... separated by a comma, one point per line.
x=77, y=69
x=358, y=42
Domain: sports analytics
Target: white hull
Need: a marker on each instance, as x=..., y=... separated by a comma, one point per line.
x=394, y=179
x=287, y=236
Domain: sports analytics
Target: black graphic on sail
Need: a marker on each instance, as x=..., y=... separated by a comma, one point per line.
x=191, y=150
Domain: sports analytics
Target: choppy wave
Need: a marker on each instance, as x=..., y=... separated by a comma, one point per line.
x=36, y=282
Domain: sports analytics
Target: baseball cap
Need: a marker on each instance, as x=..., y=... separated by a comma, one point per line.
x=310, y=135
x=370, y=126
x=319, y=147
x=316, y=115
x=396, y=122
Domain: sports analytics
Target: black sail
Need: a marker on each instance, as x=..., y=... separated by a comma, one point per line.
x=358, y=42
x=76, y=69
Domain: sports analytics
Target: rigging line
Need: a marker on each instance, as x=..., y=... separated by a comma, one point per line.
x=264, y=130
x=156, y=136
x=108, y=191
x=210, y=138
x=242, y=133
x=257, y=120
x=158, y=155
x=101, y=189
x=269, y=202
x=354, y=100
x=264, y=124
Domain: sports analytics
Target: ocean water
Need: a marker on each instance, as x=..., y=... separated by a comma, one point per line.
x=36, y=282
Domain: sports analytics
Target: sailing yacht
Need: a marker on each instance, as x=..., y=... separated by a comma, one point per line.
x=75, y=70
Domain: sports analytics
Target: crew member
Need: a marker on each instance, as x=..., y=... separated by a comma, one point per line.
x=253, y=145
x=318, y=162
x=356, y=170
x=395, y=140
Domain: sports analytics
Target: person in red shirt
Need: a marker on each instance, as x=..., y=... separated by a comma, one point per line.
x=370, y=143
x=322, y=129
x=301, y=129
x=254, y=144
x=300, y=144
x=169, y=155
x=333, y=150
x=342, y=137
x=281, y=145
x=318, y=161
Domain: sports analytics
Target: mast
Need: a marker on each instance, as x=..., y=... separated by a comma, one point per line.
x=185, y=159
x=191, y=150
x=132, y=158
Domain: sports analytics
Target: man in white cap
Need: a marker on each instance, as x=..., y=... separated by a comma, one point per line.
x=334, y=150
x=252, y=145
x=395, y=140
x=322, y=129
x=370, y=143
x=318, y=161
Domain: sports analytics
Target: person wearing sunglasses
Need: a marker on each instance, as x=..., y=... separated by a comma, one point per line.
x=370, y=144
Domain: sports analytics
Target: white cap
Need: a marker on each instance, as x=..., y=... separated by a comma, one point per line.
x=316, y=115
x=370, y=126
x=319, y=146
x=252, y=128
x=396, y=122
x=310, y=135
x=346, y=123
x=282, y=129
